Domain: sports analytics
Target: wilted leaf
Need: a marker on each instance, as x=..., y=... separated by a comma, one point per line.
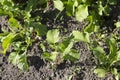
x=53, y=36
x=81, y=12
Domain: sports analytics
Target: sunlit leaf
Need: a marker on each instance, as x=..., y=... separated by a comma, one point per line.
x=81, y=12
x=81, y=36
x=101, y=72
x=117, y=24
x=7, y=41
x=53, y=36
x=58, y=4
x=100, y=8
x=118, y=55
x=14, y=23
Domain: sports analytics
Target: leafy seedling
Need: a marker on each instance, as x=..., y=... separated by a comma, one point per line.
x=107, y=62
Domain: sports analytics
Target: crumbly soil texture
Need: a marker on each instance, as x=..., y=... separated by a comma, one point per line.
x=40, y=69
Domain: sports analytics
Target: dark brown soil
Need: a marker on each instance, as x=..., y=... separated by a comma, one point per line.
x=43, y=70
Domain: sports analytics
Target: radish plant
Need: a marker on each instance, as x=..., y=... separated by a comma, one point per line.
x=62, y=48
x=107, y=62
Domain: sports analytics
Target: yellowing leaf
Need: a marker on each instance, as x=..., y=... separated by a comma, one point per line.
x=81, y=12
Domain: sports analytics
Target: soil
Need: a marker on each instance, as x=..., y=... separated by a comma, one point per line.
x=40, y=69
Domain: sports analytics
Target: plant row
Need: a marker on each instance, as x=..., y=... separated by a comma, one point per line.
x=25, y=28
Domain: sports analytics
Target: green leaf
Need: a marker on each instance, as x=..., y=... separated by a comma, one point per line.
x=46, y=55
x=14, y=23
x=107, y=10
x=53, y=36
x=50, y=56
x=58, y=4
x=117, y=24
x=2, y=35
x=73, y=55
x=81, y=36
x=19, y=60
x=93, y=25
x=53, y=56
x=101, y=8
x=113, y=48
x=7, y=41
x=22, y=64
x=112, y=2
x=68, y=49
x=14, y=58
x=4, y=12
x=43, y=47
x=65, y=43
x=81, y=12
x=116, y=73
x=40, y=29
x=118, y=55
x=100, y=54
x=70, y=8
x=101, y=72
